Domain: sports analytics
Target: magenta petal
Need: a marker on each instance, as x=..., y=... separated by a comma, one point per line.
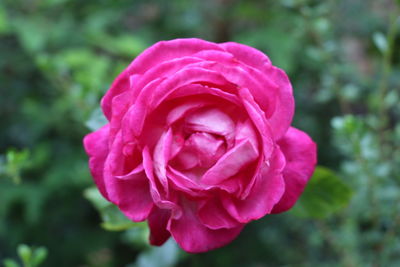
x=196, y=89
x=151, y=57
x=181, y=111
x=213, y=215
x=301, y=157
x=157, y=221
x=282, y=117
x=157, y=193
x=258, y=118
x=211, y=120
x=231, y=163
x=245, y=131
x=248, y=55
x=194, y=237
x=133, y=197
x=162, y=153
x=266, y=192
x=167, y=50
x=96, y=146
x=133, y=121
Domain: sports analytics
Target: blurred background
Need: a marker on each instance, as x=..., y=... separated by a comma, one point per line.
x=58, y=57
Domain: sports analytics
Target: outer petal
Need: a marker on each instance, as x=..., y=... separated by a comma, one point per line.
x=248, y=55
x=266, y=192
x=134, y=198
x=156, y=54
x=301, y=157
x=194, y=237
x=212, y=214
x=282, y=117
x=96, y=146
x=158, y=220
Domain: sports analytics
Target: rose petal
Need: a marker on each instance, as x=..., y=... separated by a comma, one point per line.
x=259, y=120
x=213, y=215
x=231, y=163
x=132, y=197
x=245, y=130
x=182, y=110
x=301, y=157
x=194, y=237
x=158, y=195
x=96, y=146
x=266, y=192
x=211, y=120
x=196, y=89
x=157, y=221
x=282, y=117
x=153, y=56
x=248, y=55
x=283, y=114
x=162, y=154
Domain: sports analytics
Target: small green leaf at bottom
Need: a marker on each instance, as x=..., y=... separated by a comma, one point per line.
x=324, y=195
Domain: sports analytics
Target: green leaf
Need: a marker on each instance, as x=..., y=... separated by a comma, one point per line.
x=324, y=195
x=4, y=27
x=380, y=41
x=10, y=263
x=25, y=253
x=164, y=256
x=113, y=218
x=39, y=255
x=96, y=120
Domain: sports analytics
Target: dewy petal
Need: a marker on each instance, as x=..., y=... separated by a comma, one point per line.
x=213, y=215
x=157, y=221
x=266, y=192
x=231, y=163
x=194, y=237
x=96, y=146
x=301, y=157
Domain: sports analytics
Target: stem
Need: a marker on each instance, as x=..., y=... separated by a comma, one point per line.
x=384, y=83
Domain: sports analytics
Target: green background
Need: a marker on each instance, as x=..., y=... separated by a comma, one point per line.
x=58, y=57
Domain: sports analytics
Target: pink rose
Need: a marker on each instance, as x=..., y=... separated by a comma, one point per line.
x=199, y=142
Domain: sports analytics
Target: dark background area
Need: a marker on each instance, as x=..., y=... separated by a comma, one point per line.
x=58, y=57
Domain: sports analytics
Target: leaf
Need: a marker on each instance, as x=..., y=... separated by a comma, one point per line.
x=380, y=41
x=324, y=195
x=96, y=120
x=39, y=255
x=25, y=253
x=10, y=263
x=164, y=256
x=113, y=218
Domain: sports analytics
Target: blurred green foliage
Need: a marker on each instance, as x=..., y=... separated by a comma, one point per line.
x=58, y=57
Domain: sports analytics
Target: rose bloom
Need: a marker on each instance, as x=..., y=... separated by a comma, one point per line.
x=199, y=142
